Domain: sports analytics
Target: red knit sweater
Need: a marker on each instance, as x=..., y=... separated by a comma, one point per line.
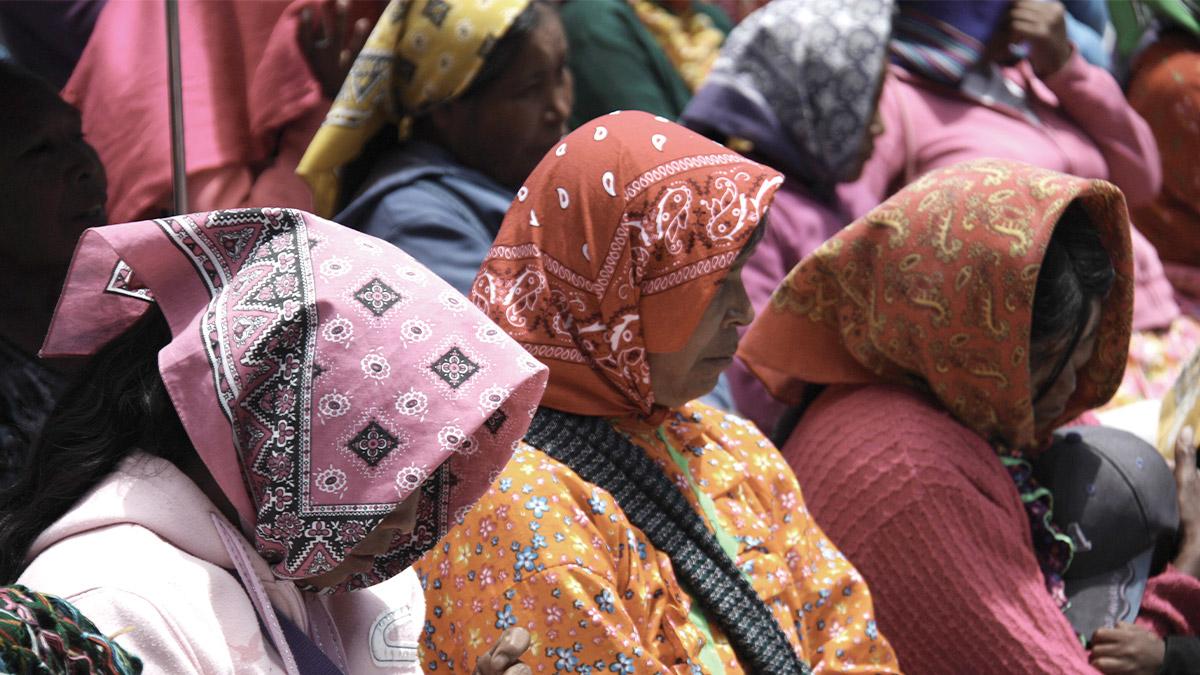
x=925, y=510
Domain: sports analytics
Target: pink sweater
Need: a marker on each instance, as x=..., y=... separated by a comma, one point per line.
x=1088, y=129
x=930, y=517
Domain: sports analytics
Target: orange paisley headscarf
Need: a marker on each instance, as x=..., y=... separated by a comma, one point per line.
x=934, y=288
x=613, y=248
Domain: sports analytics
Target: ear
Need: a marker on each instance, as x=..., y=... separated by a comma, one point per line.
x=448, y=118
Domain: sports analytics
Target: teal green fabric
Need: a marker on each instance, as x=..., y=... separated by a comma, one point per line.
x=1132, y=18
x=616, y=63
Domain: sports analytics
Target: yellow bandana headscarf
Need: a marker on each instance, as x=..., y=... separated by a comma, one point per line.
x=420, y=53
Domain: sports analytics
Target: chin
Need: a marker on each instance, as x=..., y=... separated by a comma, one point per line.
x=704, y=390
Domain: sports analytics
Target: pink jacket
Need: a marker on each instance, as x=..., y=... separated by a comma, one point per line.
x=141, y=556
x=1087, y=129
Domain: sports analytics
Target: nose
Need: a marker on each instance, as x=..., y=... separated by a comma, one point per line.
x=85, y=166
x=562, y=97
x=877, y=127
x=741, y=313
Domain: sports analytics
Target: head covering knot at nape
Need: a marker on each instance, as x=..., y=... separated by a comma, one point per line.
x=321, y=374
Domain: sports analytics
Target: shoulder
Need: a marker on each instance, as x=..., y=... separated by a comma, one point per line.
x=583, y=18
x=889, y=433
x=393, y=211
x=175, y=611
x=886, y=406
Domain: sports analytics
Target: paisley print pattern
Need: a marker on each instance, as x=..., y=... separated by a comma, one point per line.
x=934, y=289
x=662, y=208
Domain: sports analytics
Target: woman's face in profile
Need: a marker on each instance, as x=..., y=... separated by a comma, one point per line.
x=679, y=377
x=52, y=185
x=506, y=129
x=1045, y=360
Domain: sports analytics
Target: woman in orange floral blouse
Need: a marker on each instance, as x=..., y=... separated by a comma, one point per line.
x=636, y=530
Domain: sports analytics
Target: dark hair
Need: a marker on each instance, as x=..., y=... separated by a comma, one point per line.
x=117, y=404
x=502, y=54
x=1075, y=271
x=505, y=51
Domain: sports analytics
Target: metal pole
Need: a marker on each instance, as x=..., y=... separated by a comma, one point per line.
x=178, y=166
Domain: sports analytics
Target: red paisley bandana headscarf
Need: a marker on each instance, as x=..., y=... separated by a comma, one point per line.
x=321, y=374
x=611, y=250
x=935, y=287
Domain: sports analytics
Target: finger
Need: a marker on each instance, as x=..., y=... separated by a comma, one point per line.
x=1185, y=457
x=1026, y=14
x=322, y=26
x=362, y=30
x=341, y=14
x=1027, y=27
x=519, y=669
x=1110, y=665
x=511, y=645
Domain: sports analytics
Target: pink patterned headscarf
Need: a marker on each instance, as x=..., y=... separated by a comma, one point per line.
x=322, y=375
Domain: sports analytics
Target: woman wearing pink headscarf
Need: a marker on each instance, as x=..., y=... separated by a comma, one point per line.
x=278, y=410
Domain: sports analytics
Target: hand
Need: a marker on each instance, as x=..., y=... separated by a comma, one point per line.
x=1187, y=488
x=503, y=657
x=327, y=47
x=1043, y=26
x=1127, y=650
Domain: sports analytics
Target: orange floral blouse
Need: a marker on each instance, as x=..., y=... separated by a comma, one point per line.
x=548, y=551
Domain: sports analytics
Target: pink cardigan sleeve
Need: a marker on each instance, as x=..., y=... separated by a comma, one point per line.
x=927, y=513
x=1094, y=100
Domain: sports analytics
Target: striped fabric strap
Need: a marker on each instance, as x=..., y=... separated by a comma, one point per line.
x=933, y=48
x=601, y=455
